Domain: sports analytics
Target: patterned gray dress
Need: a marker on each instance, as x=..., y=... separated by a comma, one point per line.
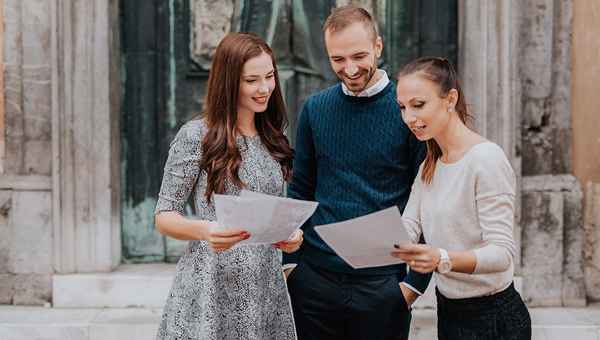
x=237, y=294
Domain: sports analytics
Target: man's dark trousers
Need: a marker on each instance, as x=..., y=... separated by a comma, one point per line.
x=329, y=305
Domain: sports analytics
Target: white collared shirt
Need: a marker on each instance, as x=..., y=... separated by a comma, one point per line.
x=373, y=89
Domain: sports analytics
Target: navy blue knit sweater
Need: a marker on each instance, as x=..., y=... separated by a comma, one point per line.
x=355, y=156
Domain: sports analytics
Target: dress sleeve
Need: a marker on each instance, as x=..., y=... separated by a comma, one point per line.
x=181, y=170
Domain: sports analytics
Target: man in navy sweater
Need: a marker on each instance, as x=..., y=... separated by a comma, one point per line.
x=355, y=156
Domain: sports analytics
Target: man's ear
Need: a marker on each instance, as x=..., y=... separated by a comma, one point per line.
x=378, y=47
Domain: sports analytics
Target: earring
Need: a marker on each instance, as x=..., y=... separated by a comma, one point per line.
x=450, y=109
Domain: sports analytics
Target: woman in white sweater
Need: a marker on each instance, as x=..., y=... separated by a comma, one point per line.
x=462, y=201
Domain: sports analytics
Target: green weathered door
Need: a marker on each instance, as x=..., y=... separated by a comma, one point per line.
x=166, y=52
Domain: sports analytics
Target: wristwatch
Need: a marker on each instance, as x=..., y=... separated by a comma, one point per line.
x=445, y=265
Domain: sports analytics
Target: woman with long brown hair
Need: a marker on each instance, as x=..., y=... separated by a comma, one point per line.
x=239, y=143
x=462, y=202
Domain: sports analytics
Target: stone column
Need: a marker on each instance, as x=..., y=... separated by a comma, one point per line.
x=487, y=64
x=545, y=67
x=85, y=135
x=2, y=125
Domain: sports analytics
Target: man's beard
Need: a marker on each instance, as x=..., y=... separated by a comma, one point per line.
x=368, y=74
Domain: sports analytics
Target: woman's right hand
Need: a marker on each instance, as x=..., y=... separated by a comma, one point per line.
x=221, y=240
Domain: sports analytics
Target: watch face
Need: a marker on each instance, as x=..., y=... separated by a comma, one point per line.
x=444, y=267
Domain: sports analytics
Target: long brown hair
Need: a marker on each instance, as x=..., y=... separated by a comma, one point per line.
x=443, y=73
x=221, y=158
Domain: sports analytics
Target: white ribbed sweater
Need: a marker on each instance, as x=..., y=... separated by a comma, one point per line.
x=469, y=205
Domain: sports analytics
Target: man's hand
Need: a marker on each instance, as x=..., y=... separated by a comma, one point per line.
x=409, y=295
x=288, y=271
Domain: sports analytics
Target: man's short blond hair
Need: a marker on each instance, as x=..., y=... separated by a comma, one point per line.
x=344, y=16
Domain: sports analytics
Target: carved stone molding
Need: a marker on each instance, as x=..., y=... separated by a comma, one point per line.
x=210, y=21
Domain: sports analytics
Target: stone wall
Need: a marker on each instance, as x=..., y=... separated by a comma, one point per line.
x=552, y=222
x=25, y=197
x=59, y=190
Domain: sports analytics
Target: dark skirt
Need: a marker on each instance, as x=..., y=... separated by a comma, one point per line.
x=502, y=316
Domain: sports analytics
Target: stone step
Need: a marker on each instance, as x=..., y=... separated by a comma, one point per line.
x=134, y=286
x=142, y=286
x=138, y=285
x=38, y=323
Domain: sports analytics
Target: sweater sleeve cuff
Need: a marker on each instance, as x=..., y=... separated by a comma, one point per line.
x=411, y=288
x=288, y=266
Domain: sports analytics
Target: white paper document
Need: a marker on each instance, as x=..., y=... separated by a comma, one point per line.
x=366, y=241
x=267, y=218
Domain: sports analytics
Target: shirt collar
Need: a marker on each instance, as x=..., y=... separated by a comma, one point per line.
x=373, y=89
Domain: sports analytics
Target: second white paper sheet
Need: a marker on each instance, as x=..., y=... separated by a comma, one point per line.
x=366, y=241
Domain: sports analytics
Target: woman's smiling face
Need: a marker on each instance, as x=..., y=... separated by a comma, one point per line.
x=423, y=108
x=256, y=84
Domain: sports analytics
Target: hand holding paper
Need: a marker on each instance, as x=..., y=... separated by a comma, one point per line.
x=268, y=219
x=422, y=258
x=292, y=244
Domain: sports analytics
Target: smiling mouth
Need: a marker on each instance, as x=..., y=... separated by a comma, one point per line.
x=419, y=128
x=260, y=100
x=356, y=77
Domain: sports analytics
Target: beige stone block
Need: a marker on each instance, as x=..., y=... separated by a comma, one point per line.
x=36, y=32
x=13, y=119
x=573, y=294
x=536, y=46
x=38, y=157
x=5, y=231
x=542, y=248
x=12, y=31
x=37, y=98
x=573, y=291
x=535, y=112
x=31, y=249
x=592, y=241
x=32, y=289
x=125, y=324
x=143, y=285
x=550, y=183
x=7, y=288
x=537, y=152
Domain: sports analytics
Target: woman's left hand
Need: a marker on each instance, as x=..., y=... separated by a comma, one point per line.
x=420, y=257
x=292, y=244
